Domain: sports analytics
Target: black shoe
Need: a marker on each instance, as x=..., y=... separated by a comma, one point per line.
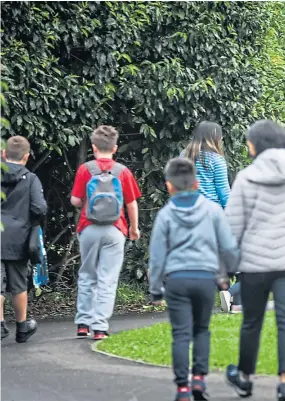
x=243, y=388
x=25, y=330
x=4, y=330
x=198, y=386
x=281, y=392
x=83, y=330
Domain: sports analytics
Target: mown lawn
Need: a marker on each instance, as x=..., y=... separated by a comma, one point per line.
x=153, y=344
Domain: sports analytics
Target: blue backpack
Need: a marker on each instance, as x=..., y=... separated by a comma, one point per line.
x=104, y=194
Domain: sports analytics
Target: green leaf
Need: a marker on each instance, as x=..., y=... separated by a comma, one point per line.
x=71, y=140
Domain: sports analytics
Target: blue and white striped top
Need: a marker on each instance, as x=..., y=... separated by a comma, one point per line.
x=213, y=180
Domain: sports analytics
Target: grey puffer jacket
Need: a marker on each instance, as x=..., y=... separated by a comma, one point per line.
x=256, y=213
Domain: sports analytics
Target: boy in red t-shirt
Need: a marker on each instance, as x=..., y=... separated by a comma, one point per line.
x=102, y=246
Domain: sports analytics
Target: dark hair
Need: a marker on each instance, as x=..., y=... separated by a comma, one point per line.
x=105, y=138
x=207, y=137
x=266, y=134
x=181, y=173
x=17, y=147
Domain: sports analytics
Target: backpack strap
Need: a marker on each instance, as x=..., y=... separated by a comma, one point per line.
x=93, y=167
x=117, y=169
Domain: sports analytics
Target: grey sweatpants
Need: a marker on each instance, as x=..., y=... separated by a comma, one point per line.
x=102, y=255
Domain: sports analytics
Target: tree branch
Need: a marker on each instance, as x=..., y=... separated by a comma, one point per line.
x=41, y=161
x=65, y=260
x=54, y=241
x=67, y=163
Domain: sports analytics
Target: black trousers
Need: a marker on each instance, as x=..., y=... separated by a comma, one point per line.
x=190, y=303
x=255, y=290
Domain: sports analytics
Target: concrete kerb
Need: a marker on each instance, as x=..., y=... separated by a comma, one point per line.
x=94, y=348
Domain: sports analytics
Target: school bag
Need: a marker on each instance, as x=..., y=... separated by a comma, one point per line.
x=38, y=268
x=104, y=194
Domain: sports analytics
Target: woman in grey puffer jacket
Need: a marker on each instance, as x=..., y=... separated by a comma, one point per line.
x=256, y=213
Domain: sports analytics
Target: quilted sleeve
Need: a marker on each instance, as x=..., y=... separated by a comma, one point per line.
x=235, y=209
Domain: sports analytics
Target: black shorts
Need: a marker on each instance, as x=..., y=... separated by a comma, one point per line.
x=14, y=276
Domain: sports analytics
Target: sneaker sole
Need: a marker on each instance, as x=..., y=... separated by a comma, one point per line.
x=199, y=396
x=5, y=335
x=21, y=341
x=224, y=305
x=82, y=335
x=236, y=389
x=100, y=339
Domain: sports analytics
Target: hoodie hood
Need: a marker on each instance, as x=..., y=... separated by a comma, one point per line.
x=191, y=215
x=268, y=168
x=13, y=175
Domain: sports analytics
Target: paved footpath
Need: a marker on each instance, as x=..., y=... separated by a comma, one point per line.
x=55, y=366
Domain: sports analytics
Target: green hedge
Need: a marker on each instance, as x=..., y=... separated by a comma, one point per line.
x=152, y=69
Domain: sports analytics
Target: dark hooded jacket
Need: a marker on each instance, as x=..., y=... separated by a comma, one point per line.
x=22, y=207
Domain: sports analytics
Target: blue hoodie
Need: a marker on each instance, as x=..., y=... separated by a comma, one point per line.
x=190, y=234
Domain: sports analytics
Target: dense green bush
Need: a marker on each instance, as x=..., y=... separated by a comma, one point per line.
x=270, y=65
x=152, y=69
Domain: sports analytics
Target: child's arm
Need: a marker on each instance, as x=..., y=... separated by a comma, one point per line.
x=221, y=180
x=228, y=247
x=133, y=213
x=38, y=205
x=235, y=210
x=131, y=193
x=79, y=187
x=76, y=202
x=157, y=258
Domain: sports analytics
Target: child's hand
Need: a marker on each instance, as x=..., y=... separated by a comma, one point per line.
x=134, y=234
x=223, y=284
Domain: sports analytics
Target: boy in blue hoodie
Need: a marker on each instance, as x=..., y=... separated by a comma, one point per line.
x=189, y=238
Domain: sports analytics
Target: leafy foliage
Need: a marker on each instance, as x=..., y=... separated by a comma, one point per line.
x=270, y=65
x=152, y=69
x=3, y=123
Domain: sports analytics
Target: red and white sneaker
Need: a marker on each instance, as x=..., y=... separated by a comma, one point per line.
x=236, y=309
x=83, y=330
x=100, y=335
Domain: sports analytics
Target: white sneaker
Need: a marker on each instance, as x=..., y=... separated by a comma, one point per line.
x=225, y=297
x=270, y=305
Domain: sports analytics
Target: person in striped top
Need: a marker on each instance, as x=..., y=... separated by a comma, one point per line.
x=205, y=149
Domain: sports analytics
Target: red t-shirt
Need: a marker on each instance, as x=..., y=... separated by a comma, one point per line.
x=130, y=188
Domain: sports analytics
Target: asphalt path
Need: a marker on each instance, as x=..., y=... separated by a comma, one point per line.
x=56, y=366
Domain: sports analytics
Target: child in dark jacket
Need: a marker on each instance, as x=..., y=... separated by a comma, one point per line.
x=23, y=204
x=189, y=237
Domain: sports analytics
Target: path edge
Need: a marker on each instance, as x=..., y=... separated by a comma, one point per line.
x=94, y=348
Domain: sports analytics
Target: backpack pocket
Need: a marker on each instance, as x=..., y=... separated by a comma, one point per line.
x=104, y=208
x=104, y=199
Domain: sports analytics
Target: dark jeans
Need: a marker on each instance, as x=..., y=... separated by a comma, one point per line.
x=255, y=290
x=190, y=302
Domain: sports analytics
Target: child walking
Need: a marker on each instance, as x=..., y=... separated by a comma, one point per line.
x=188, y=236
x=206, y=151
x=256, y=213
x=101, y=188
x=24, y=204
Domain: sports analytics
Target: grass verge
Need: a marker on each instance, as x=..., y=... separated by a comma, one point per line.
x=153, y=344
